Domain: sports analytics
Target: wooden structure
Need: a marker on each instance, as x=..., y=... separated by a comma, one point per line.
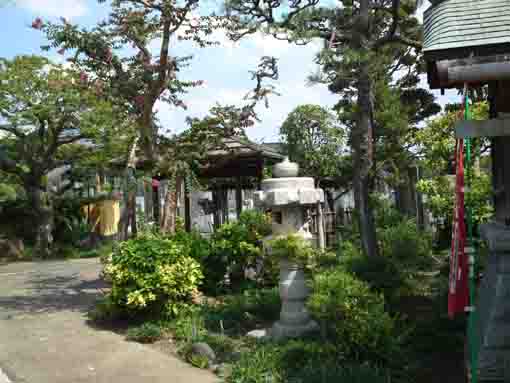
x=236, y=164
x=468, y=41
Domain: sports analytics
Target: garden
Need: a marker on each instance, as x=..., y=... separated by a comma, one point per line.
x=84, y=131
x=379, y=320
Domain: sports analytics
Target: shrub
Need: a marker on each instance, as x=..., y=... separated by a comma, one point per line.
x=235, y=246
x=406, y=245
x=145, y=333
x=293, y=248
x=381, y=273
x=353, y=317
x=152, y=272
x=301, y=361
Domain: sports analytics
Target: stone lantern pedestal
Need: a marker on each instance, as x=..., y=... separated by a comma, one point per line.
x=289, y=197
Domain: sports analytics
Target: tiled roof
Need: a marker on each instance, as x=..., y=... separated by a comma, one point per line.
x=461, y=24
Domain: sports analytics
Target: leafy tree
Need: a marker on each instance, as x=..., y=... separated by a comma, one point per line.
x=315, y=140
x=46, y=108
x=118, y=54
x=364, y=40
x=436, y=150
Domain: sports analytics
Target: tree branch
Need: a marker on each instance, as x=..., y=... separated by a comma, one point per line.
x=11, y=129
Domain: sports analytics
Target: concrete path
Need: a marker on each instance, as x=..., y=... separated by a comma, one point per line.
x=44, y=336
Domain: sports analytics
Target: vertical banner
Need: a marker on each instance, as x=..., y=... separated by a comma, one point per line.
x=458, y=294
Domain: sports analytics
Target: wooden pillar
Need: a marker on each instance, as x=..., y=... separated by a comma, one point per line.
x=217, y=210
x=239, y=198
x=187, y=210
x=156, y=204
x=501, y=155
x=148, y=199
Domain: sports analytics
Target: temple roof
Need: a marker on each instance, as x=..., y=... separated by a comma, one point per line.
x=456, y=28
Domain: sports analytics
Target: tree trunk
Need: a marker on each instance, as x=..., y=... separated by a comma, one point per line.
x=43, y=211
x=362, y=142
x=168, y=219
x=128, y=216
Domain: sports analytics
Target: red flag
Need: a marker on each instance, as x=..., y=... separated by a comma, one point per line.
x=458, y=294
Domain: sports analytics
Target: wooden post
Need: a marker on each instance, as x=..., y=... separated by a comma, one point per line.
x=501, y=156
x=239, y=198
x=216, y=213
x=187, y=210
x=156, y=204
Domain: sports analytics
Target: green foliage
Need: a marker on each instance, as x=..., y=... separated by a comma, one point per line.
x=301, y=361
x=437, y=146
x=151, y=272
x=199, y=361
x=246, y=309
x=235, y=246
x=354, y=318
x=406, y=244
x=69, y=221
x=404, y=251
x=7, y=192
x=292, y=248
x=145, y=333
x=314, y=139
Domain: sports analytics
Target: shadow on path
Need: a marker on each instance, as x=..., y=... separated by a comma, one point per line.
x=43, y=294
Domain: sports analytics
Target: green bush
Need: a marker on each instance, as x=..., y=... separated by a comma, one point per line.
x=152, y=272
x=381, y=273
x=353, y=317
x=406, y=245
x=301, y=361
x=145, y=333
x=235, y=246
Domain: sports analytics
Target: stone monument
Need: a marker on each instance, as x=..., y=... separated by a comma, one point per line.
x=289, y=197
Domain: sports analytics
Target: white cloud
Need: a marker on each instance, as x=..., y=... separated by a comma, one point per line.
x=64, y=8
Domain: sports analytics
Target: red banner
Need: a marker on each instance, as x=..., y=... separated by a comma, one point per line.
x=458, y=294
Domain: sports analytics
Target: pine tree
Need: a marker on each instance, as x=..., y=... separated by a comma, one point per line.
x=364, y=38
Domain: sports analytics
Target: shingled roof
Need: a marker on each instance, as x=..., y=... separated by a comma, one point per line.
x=455, y=28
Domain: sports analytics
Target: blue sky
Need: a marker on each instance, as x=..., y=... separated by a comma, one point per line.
x=224, y=67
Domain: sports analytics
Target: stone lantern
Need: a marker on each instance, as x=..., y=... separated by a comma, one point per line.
x=289, y=197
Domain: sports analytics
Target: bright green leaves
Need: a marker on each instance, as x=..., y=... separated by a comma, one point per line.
x=436, y=143
x=152, y=272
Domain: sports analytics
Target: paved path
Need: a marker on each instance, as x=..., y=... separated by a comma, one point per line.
x=44, y=336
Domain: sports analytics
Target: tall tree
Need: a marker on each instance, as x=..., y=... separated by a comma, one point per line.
x=46, y=108
x=363, y=38
x=314, y=138
x=129, y=54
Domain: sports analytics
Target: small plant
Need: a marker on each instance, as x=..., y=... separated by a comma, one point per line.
x=146, y=333
x=292, y=248
x=199, y=361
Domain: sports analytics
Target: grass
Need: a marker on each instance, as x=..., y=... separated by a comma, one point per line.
x=145, y=333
